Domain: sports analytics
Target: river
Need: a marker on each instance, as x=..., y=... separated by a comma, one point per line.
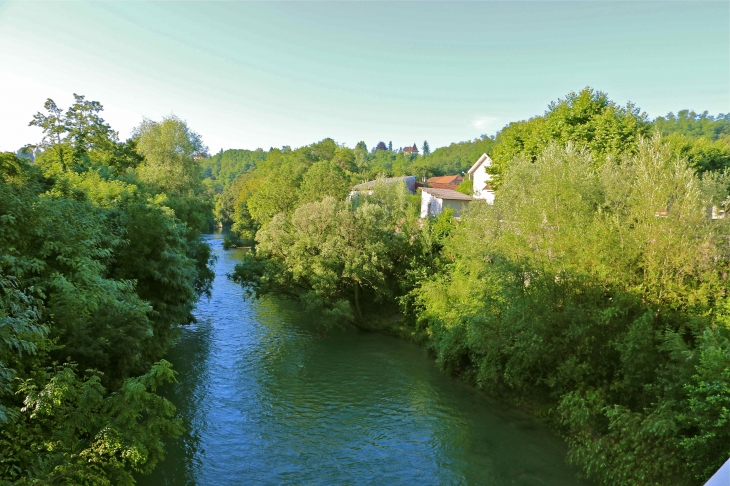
x=267, y=399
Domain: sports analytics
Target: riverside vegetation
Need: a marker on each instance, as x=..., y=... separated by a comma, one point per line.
x=594, y=291
x=100, y=264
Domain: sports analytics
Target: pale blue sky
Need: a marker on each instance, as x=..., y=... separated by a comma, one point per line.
x=248, y=75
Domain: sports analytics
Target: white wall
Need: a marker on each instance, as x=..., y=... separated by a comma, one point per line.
x=457, y=206
x=721, y=477
x=430, y=205
x=481, y=179
x=433, y=206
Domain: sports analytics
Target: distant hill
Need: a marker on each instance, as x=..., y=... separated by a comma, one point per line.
x=691, y=124
x=458, y=157
x=224, y=167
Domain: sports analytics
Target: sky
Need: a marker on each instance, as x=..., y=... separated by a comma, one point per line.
x=269, y=74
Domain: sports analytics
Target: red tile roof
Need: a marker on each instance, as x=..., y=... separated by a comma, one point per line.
x=445, y=182
x=411, y=149
x=451, y=179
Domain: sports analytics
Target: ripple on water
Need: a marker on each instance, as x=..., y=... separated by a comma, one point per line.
x=266, y=401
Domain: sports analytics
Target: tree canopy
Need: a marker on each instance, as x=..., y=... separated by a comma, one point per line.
x=592, y=291
x=97, y=275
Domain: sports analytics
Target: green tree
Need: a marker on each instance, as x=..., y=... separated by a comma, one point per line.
x=582, y=302
x=337, y=258
x=78, y=138
x=97, y=272
x=587, y=119
x=690, y=124
x=169, y=148
x=323, y=179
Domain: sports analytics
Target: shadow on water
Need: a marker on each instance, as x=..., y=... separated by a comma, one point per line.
x=266, y=400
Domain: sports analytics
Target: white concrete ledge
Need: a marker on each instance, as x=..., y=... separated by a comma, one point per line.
x=721, y=477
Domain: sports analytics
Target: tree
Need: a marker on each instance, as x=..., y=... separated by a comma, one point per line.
x=60, y=299
x=455, y=158
x=336, y=257
x=77, y=138
x=581, y=300
x=691, y=124
x=54, y=129
x=588, y=118
x=381, y=146
x=169, y=148
x=390, y=146
x=323, y=179
x=425, y=149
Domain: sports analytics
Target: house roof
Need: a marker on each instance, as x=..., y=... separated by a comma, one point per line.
x=369, y=184
x=411, y=149
x=452, y=179
x=484, y=158
x=446, y=194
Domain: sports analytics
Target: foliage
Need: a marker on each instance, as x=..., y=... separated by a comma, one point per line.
x=224, y=167
x=580, y=300
x=79, y=139
x=71, y=430
x=702, y=153
x=457, y=158
x=98, y=269
x=169, y=148
x=690, y=124
x=466, y=187
x=335, y=256
x=587, y=119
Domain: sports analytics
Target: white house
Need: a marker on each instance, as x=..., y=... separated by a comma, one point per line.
x=434, y=201
x=481, y=180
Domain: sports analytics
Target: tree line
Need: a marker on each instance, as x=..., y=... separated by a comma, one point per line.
x=101, y=263
x=594, y=290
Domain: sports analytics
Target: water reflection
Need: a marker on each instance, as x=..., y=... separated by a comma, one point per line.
x=267, y=401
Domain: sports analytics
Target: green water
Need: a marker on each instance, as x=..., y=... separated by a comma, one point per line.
x=267, y=400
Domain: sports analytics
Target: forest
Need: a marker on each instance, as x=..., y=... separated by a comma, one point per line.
x=101, y=264
x=593, y=293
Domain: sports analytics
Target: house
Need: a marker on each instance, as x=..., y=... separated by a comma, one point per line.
x=478, y=174
x=445, y=182
x=411, y=150
x=441, y=193
x=434, y=201
x=367, y=187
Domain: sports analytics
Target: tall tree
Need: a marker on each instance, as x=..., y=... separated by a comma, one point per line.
x=73, y=138
x=425, y=149
x=169, y=148
x=588, y=119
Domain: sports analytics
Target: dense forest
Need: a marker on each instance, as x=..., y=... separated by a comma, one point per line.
x=101, y=263
x=594, y=292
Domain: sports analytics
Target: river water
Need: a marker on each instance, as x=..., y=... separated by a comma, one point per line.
x=267, y=400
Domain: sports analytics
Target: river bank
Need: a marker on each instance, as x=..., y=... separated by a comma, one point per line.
x=267, y=400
